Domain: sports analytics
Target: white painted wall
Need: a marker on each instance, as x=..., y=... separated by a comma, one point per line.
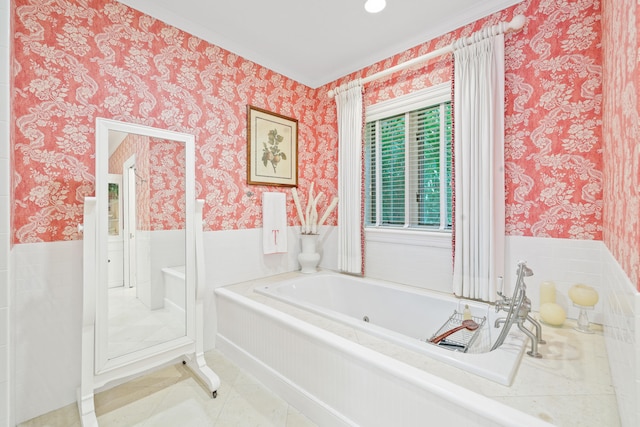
x=5, y=323
x=48, y=287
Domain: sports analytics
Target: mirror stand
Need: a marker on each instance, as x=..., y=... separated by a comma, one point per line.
x=143, y=254
x=196, y=362
x=191, y=351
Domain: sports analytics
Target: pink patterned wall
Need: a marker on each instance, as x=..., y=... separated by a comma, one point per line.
x=621, y=133
x=166, y=182
x=553, y=114
x=75, y=63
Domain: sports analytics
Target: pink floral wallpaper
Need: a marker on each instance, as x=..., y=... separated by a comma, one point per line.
x=166, y=183
x=621, y=133
x=78, y=60
x=553, y=116
x=75, y=61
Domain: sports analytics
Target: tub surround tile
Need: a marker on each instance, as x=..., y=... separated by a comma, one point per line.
x=595, y=410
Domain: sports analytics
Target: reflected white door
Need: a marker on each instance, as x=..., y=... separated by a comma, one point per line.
x=129, y=198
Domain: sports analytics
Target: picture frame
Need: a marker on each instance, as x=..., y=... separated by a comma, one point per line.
x=272, y=148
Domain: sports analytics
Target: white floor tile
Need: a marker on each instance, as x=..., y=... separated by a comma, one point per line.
x=173, y=397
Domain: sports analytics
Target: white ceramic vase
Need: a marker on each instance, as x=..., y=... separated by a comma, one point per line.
x=309, y=256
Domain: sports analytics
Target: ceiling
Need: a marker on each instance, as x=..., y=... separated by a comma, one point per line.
x=316, y=41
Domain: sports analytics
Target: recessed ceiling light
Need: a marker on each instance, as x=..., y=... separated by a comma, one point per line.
x=374, y=6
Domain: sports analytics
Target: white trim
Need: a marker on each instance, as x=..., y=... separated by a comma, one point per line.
x=404, y=236
x=425, y=98
x=413, y=101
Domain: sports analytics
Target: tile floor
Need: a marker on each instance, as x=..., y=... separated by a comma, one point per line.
x=172, y=397
x=132, y=326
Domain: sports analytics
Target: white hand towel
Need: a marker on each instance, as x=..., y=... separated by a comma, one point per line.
x=274, y=223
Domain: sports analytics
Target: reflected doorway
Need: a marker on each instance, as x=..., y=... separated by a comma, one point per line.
x=129, y=184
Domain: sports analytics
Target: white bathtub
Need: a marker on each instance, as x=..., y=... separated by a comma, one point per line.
x=406, y=316
x=339, y=378
x=174, y=289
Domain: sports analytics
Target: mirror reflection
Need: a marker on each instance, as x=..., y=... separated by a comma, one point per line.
x=146, y=242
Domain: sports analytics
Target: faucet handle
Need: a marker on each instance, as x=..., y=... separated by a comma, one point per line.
x=500, y=305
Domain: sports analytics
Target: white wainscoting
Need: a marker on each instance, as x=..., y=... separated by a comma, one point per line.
x=48, y=309
x=419, y=259
x=46, y=279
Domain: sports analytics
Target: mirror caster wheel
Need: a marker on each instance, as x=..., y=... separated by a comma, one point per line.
x=215, y=394
x=184, y=362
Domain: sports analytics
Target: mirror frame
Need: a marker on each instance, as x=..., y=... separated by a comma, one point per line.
x=104, y=363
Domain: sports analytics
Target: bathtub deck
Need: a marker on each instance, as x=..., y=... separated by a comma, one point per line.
x=570, y=386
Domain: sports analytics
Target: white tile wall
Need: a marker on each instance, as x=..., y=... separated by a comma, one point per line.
x=565, y=262
x=6, y=416
x=48, y=308
x=622, y=333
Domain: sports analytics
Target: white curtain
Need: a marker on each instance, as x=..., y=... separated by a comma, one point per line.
x=479, y=168
x=349, y=108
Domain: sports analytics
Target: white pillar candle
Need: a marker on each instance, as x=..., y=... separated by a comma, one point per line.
x=547, y=292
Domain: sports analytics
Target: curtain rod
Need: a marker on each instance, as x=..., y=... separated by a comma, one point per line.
x=516, y=24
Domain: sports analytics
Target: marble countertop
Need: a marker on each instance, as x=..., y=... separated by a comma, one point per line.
x=569, y=386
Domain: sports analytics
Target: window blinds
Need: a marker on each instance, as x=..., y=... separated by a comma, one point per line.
x=409, y=169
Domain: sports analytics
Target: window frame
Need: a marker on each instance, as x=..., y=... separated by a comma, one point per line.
x=440, y=237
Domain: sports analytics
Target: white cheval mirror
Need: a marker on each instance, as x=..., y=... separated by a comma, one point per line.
x=143, y=268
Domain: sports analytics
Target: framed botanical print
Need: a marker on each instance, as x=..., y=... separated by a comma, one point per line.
x=272, y=148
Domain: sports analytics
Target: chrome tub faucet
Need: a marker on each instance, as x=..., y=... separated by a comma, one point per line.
x=518, y=309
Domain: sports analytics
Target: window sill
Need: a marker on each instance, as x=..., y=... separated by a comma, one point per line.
x=437, y=239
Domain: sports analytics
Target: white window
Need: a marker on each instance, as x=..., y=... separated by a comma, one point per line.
x=408, y=162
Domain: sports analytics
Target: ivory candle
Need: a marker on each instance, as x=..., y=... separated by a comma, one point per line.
x=552, y=314
x=547, y=292
x=583, y=295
